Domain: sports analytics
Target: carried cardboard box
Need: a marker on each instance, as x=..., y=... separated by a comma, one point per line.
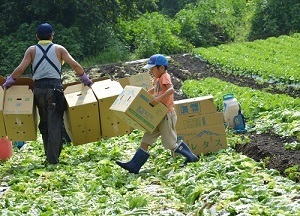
x=133, y=106
x=2, y=125
x=140, y=80
x=19, y=112
x=82, y=116
x=106, y=92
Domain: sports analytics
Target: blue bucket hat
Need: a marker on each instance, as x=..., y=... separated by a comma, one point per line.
x=156, y=59
x=44, y=29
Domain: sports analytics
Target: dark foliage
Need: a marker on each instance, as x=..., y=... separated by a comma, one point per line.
x=274, y=18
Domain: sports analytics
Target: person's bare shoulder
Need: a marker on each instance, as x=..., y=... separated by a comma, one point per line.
x=60, y=47
x=31, y=49
x=61, y=51
x=30, y=52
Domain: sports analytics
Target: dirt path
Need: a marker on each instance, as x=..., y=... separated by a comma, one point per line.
x=266, y=147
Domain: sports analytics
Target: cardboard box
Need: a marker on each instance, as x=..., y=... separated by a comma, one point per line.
x=65, y=85
x=196, y=121
x=204, y=139
x=82, y=116
x=106, y=93
x=20, y=113
x=2, y=125
x=199, y=105
x=133, y=106
x=140, y=80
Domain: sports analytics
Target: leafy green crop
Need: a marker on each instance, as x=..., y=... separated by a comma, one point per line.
x=274, y=60
x=264, y=111
x=88, y=182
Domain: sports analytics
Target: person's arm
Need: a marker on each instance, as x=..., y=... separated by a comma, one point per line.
x=167, y=93
x=66, y=56
x=26, y=61
x=151, y=91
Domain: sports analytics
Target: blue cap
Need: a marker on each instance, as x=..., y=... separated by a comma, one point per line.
x=156, y=59
x=44, y=29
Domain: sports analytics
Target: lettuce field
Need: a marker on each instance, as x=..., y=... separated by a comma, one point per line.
x=258, y=174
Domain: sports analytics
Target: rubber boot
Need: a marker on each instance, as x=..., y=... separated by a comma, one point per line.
x=138, y=160
x=185, y=151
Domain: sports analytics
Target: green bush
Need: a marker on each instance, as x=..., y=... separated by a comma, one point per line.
x=210, y=23
x=116, y=51
x=13, y=47
x=153, y=33
x=71, y=38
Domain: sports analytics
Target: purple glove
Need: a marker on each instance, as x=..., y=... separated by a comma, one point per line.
x=8, y=83
x=85, y=80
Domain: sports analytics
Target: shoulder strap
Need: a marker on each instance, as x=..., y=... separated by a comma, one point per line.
x=45, y=57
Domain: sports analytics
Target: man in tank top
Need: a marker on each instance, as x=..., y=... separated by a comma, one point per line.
x=46, y=59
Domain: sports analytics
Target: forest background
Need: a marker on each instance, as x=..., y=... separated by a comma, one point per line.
x=106, y=31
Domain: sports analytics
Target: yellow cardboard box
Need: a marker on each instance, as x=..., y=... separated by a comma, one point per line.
x=140, y=80
x=20, y=113
x=198, y=105
x=106, y=92
x=82, y=116
x=203, y=140
x=133, y=106
x=196, y=121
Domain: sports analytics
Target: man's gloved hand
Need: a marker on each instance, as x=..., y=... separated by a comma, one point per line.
x=85, y=80
x=8, y=83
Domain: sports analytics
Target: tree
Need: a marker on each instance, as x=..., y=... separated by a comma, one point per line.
x=274, y=18
x=83, y=26
x=210, y=23
x=153, y=33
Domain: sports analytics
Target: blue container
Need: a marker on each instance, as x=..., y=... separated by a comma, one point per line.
x=19, y=144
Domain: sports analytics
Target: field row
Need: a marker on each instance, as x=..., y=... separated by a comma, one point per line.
x=264, y=112
x=274, y=60
x=222, y=183
x=89, y=182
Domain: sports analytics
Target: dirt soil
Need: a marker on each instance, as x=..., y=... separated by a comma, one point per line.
x=266, y=147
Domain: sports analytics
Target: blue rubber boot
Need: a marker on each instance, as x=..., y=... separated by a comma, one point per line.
x=138, y=160
x=185, y=151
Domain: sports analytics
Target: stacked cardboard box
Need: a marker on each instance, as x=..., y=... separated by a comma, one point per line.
x=133, y=106
x=200, y=125
x=140, y=80
x=106, y=92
